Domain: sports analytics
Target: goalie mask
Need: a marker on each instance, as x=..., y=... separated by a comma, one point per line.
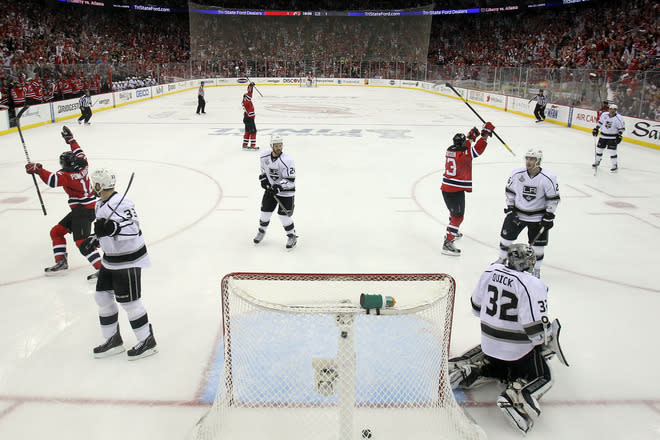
x=103, y=179
x=520, y=257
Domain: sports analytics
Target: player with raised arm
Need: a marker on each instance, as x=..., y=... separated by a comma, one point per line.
x=532, y=197
x=117, y=231
x=278, y=179
x=516, y=337
x=250, y=135
x=611, y=127
x=74, y=179
x=457, y=179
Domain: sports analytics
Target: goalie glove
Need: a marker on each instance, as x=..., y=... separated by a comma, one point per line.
x=104, y=227
x=551, y=346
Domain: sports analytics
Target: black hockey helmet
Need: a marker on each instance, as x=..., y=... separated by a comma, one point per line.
x=459, y=140
x=70, y=162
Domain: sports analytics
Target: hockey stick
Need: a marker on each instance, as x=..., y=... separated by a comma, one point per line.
x=537, y=236
x=255, y=87
x=27, y=156
x=478, y=116
x=596, y=156
x=286, y=211
x=114, y=211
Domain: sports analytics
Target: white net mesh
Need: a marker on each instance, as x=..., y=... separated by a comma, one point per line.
x=304, y=361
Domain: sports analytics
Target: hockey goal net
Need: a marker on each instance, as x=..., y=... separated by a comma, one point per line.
x=303, y=360
x=308, y=81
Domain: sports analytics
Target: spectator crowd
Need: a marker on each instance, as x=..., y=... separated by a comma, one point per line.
x=52, y=50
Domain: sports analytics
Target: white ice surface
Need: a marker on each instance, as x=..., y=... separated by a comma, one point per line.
x=369, y=164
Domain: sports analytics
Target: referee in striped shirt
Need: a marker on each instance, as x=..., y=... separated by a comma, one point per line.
x=85, y=108
x=539, y=110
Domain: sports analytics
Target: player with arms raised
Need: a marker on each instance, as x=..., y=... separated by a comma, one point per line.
x=278, y=179
x=457, y=179
x=250, y=135
x=74, y=179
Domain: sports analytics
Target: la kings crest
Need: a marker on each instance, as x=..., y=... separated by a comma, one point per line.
x=529, y=192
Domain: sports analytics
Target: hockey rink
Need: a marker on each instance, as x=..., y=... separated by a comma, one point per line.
x=369, y=168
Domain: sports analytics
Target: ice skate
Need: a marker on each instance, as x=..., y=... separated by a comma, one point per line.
x=260, y=236
x=291, y=241
x=93, y=277
x=58, y=268
x=449, y=248
x=144, y=348
x=114, y=345
x=614, y=168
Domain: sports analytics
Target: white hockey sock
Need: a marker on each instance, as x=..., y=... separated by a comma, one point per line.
x=137, y=315
x=108, y=312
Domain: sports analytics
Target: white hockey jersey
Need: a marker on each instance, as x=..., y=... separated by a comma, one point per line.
x=532, y=196
x=280, y=170
x=126, y=249
x=513, y=308
x=610, y=126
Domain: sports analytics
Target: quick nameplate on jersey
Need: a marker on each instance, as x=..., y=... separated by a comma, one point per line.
x=529, y=192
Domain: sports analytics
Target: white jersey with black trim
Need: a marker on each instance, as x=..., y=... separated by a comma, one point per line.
x=532, y=196
x=610, y=126
x=126, y=249
x=513, y=308
x=279, y=170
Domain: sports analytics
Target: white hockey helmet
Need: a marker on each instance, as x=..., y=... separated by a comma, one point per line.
x=613, y=107
x=520, y=256
x=536, y=154
x=276, y=139
x=104, y=177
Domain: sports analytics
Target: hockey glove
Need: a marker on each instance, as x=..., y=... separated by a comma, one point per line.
x=619, y=137
x=548, y=220
x=511, y=211
x=67, y=135
x=264, y=182
x=89, y=245
x=595, y=132
x=487, y=129
x=277, y=188
x=472, y=135
x=251, y=84
x=32, y=168
x=106, y=228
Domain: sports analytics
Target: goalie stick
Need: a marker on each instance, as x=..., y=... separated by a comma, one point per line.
x=27, y=156
x=478, y=116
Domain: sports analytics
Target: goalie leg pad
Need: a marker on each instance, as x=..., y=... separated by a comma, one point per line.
x=552, y=346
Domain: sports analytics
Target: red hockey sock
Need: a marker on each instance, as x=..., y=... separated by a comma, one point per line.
x=452, y=227
x=57, y=234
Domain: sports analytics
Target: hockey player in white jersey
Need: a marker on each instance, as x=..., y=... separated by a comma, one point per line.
x=516, y=337
x=611, y=127
x=117, y=230
x=532, y=196
x=278, y=179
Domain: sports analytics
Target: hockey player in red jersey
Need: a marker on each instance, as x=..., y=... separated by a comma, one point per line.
x=74, y=179
x=604, y=109
x=250, y=135
x=457, y=179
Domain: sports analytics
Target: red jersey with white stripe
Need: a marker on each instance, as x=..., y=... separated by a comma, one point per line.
x=248, y=107
x=75, y=183
x=458, y=166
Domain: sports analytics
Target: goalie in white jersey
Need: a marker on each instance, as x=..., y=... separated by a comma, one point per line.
x=532, y=196
x=611, y=127
x=278, y=179
x=117, y=230
x=516, y=337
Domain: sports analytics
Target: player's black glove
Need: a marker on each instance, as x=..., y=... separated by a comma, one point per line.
x=619, y=137
x=595, y=132
x=277, y=188
x=264, y=182
x=67, y=135
x=104, y=227
x=511, y=211
x=548, y=220
x=89, y=245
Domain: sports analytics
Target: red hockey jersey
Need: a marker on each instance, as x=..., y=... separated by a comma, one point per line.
x=458, y=166
x=248, y=107
x=76, y=183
